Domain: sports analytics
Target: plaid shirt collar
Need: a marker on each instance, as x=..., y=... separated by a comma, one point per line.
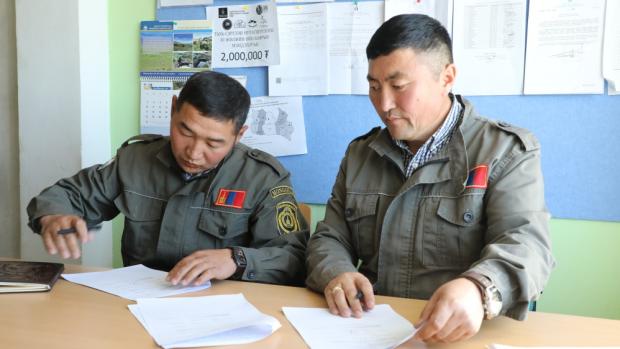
x=432, y=145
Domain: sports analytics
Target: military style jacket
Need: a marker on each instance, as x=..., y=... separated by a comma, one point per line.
x=476, y=205
x=247, y=201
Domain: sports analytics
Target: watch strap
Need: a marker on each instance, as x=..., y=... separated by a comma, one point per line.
x=241, y=262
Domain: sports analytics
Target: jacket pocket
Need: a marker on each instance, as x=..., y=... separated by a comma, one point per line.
x=453, y=231
x=361, y=216
x=143, y=216
x=224, y=229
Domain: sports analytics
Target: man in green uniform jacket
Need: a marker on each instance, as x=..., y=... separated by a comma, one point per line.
x=197, y=203
x=442, y=204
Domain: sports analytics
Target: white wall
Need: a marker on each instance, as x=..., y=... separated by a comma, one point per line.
x=9, y=164
x=62, y=63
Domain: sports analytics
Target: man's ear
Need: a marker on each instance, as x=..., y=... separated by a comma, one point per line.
x=173, y=105
x=448, y=77
x=240, y=134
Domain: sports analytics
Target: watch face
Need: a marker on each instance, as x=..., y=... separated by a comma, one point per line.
x=493, y=302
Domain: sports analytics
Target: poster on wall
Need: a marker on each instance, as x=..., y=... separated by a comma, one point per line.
x=245, y=35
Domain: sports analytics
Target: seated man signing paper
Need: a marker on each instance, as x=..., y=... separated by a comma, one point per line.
x=442, y=204
x=197, y=203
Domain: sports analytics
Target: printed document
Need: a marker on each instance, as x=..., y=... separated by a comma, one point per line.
x=244, y=35
x=303, y=52
x=564, y=47
x=136, y=281
x=489, y=46
x=381, y=327
x=203, y=321
x=351, y=25
x=276, y=126
x=611, y=47
x=441, y=10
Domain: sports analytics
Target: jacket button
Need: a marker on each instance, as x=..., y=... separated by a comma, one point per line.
x=251, y=275
x=222, y=231
x=468, y=217
x=348, y=212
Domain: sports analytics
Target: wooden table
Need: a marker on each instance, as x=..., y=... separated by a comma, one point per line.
x=74, y=316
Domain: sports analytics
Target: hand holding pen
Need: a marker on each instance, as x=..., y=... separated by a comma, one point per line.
x=349, y=294
x=63, y=234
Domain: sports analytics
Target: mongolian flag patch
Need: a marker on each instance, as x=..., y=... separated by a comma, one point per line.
x=478, y=177
x=230, y=198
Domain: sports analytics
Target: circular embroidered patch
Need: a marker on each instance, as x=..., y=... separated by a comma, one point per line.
x=287, y=217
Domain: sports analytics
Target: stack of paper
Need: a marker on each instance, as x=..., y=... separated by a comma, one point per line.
x=132, y=282
x=381, y=327
x=203, y=321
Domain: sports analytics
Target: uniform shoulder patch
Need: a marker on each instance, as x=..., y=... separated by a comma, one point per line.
x=528, y=140
x=367, y=134
x=286, y=216
x=268, y=159
x=144, y=138
x=281, y=190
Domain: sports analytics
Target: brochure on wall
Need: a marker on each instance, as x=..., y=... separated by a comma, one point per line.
x=171, y=51
x=175, y=46
x=245, y=35
x=276, y=126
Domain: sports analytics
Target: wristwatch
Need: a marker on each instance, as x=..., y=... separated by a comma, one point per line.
x=239, y=258
x=491, y=298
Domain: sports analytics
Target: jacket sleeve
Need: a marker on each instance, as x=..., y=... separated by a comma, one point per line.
x=279, y=236
x=330, y=250
x=517, y=253
x=88, y=194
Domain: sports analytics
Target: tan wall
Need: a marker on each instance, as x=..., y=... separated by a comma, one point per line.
x=9, y=150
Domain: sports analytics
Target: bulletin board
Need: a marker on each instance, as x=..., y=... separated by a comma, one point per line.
x=579, y=135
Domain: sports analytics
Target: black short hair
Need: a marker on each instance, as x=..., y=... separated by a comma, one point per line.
x=217, y=96
x=419, y=32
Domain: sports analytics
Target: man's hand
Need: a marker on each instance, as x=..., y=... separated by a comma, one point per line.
x=67, y=244
x=202, y=266
x=453, y=313
x=342, y=295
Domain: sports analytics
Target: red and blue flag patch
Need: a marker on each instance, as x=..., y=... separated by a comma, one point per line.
x=478, y=177
x=230, y=198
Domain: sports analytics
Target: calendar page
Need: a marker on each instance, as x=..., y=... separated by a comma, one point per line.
x=156, y=91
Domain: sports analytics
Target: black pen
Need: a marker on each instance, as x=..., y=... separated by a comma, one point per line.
x=95, y=227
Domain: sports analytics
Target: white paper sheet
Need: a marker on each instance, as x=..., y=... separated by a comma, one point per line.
x=203, y=321
x=611, y=47
x=276, y=126
x=489, y=46
x=564, y=47
x=381, y=327
x=136, y=281
x=303, y=66
x=351, y=25
x=244, y=35
x=441, y=10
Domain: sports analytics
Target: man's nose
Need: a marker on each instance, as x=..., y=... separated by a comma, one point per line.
x=386, y=100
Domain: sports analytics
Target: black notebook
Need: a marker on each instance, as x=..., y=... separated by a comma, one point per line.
x=18, y=276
